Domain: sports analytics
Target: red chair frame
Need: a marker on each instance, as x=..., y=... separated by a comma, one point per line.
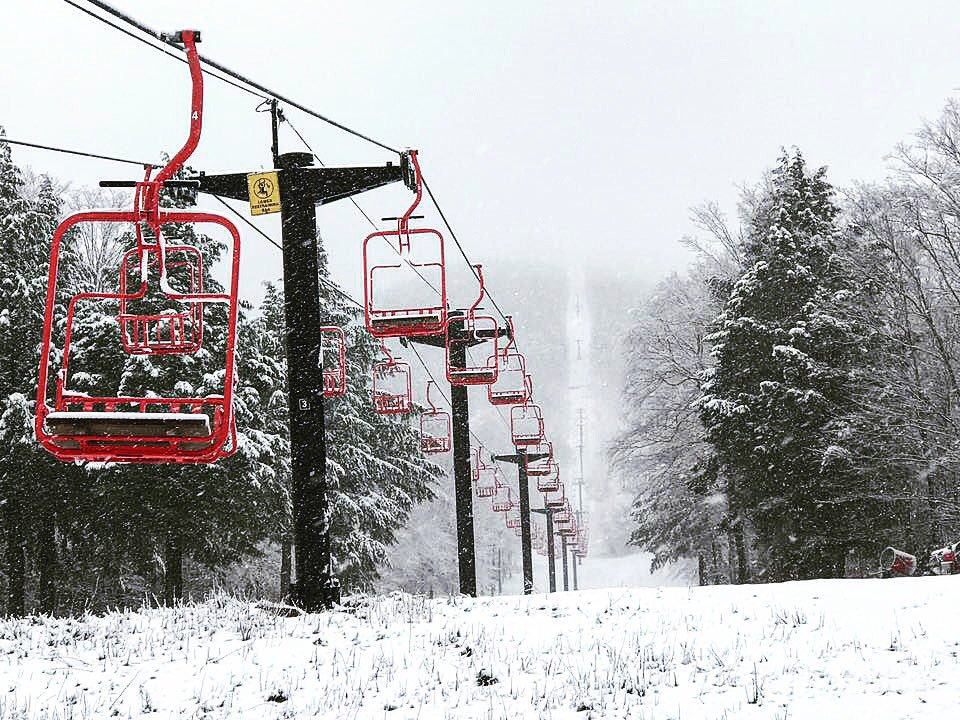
x=555, y=498
x=506, y=390
x=392, y=386
x=413, y=321
x=582, y=542
x=542, y=467
x=434, y=428
x=551, y=481
x=465, y=332
x=487, y=482
x=334, y=379
x=526, y=424
x=175, y=333
x=129, y=429
x=501, y=504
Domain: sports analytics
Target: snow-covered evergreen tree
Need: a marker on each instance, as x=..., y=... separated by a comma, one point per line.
x=33, y=488
x=786, y=357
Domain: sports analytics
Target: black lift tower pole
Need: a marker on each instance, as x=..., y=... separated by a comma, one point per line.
x=520, y=458
x=303, y=186
x=460, y=422
x=551, y=548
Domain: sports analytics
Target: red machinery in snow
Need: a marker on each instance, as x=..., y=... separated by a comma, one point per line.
x=161, y=312
x=404, y=276
x=898, y=563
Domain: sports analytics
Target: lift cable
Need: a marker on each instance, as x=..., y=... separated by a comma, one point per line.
x=165, y=51
x=222, y=68
x=322, y=164
x=330, y=285
x=463, y=252
x=443, y=394
x=361, y=210
x=4, y=139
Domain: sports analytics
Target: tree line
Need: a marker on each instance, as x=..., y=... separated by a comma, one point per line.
x=88, y=537
x=792, y=398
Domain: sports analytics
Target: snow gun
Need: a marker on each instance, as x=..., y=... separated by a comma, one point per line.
x=898, y=563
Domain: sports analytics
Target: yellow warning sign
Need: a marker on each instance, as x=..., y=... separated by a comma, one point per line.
x=264, y=190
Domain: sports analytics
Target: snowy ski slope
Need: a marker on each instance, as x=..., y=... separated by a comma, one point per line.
x=825, y=649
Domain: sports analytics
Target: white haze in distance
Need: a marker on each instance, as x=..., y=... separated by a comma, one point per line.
x=590, y=128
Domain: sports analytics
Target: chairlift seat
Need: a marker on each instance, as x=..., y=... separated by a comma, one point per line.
x=406, y=322
x=465, y=332
x=543, y=466
x=473, y=376
x=551, y=481
x=435, y=432
x=392, y=392
x=526, y=425
x=555, y=499
x=128, y=424
x=510, y=387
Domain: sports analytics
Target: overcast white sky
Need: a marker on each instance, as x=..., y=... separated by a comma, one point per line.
x=589, y=128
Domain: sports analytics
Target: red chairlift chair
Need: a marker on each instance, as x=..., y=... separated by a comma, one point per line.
x=537, y=539
x=564, y=518
x=333, y=353
x=149, y=428
x=582, y=539
x=173, y=330
x=487, y=483
x=503, y=504
x=476, y=465
x=512, y=519
x=392, y=390
x=405, y=256
x=551, y=481
x=466, y=332
x=526, y=423
x=541, y=467
x=510, y=387
x=434, y=428
x=555, y=498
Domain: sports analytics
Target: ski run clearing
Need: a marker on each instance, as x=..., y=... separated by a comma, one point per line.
x=823, y=649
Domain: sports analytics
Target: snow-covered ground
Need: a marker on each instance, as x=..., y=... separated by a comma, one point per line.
x=827, y=649
x=595, y=573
